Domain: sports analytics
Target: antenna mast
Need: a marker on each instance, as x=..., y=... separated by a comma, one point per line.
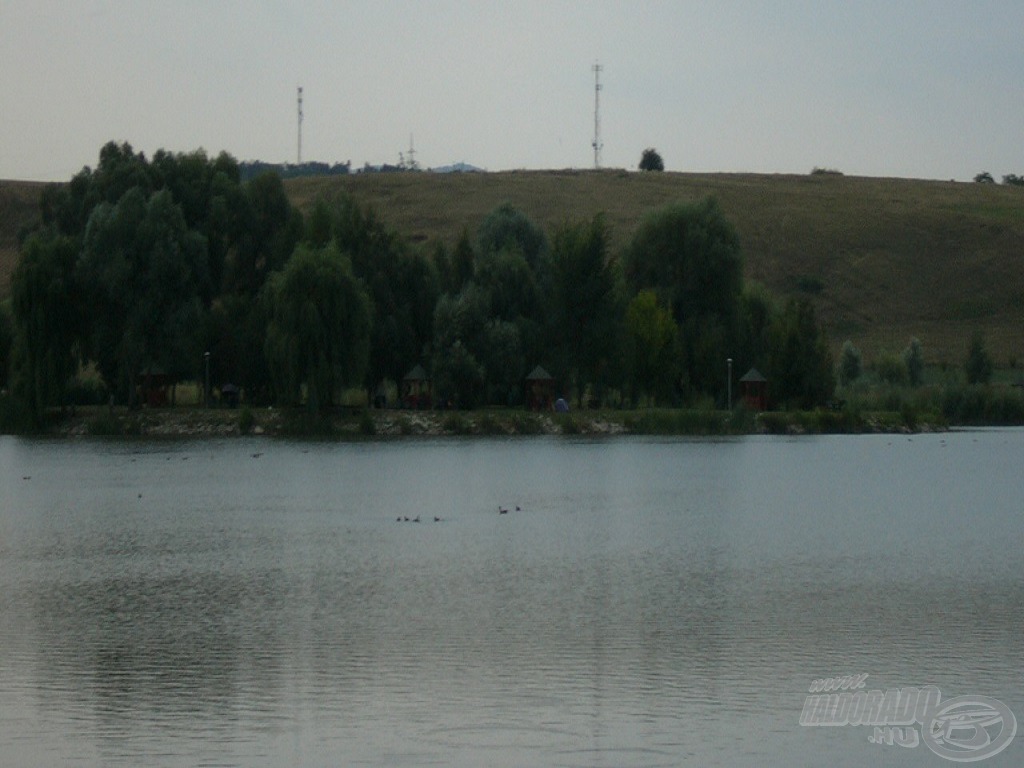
x=596, y=144
x=299, y=160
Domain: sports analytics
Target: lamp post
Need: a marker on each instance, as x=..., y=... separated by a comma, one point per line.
x=728, y=382
x=206, y=389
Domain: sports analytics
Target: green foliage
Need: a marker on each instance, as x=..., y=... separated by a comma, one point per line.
x=650, y=160
x=15, y=419
x=800, y=365
x=47, y=318
x=246, y=420
x=689, y=254
x=850, y=364
x=403, y=286
x=980, y=404
x=913, y=361
x=456, y=424
x=319, y=327
x=978, y=365
x=144, y=272
x=984, y=178
x=506, y=228
x=367, y=426
x=6, y=342
x=266, y=229
x=584, y=301
x=891, y=369
x=686, y=421
x=652, y=348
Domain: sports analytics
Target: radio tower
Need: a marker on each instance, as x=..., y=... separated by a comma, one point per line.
x=596, y=144
x=299, y=160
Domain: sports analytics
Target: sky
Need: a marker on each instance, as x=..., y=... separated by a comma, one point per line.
x=904, y=88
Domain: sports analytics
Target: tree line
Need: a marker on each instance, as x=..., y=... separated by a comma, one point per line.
x=147, y=264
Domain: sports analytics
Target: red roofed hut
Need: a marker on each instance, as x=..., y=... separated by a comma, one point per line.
x=755, y=390
x=540, y=390
x=416, y=389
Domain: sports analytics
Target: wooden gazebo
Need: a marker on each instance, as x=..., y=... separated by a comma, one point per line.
x=416, y=389
x=754, y=390
x=540, y=389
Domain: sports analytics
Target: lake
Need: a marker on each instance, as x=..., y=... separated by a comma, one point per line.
x=643, y=602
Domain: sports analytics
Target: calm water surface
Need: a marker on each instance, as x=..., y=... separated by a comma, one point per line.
x=652, y=602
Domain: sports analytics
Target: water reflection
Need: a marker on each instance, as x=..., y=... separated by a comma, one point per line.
x=652, y=603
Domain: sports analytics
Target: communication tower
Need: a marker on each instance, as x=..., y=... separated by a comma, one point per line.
x=299, y=159
x=596, y=143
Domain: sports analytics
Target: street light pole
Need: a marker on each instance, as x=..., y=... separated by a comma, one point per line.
x=206, y=389
x=728, y=383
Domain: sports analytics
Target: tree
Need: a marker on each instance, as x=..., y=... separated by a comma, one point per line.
x=507, y=228
x=6, y=341
x=1013, y=180
x=650, y=160
x=403, y=286
x=689, y=254
x=978, y=366
x=652, y=348
x=913, y=359
x=800, y=365
x=891, y=369
x=318, y=336
x=984, y=178
x=46, y=322
x=143, y=273
x=584, y=300
x=460, y=339
x=850, y=364
x=265, y=228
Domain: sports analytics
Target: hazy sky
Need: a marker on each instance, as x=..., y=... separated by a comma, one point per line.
x=878, y=88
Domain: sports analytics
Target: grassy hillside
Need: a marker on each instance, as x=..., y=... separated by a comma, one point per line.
x=883, y=259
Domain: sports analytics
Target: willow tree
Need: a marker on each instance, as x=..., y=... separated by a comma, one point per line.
x=143, y=273
x=318, y=338
x=584, y=301
x=689, y=254
x=46, y=322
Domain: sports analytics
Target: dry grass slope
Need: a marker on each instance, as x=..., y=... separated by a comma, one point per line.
x=882, y=259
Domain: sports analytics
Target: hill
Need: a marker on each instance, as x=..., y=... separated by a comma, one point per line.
x=882, y=259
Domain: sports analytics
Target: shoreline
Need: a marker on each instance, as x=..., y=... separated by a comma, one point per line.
x=186, y=422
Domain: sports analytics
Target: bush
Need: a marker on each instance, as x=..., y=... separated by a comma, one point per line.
x=457, y=424
x=246, y=420
x=913, y=361
x=14, y=419
x=850, y=364
x=978, y=366
x=700, y=421
x=890, y=369
x=367, y=426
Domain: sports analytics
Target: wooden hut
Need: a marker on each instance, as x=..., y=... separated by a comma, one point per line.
x=417, y=393
x=540, y=389
x=754, y=390
x=152, y=385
